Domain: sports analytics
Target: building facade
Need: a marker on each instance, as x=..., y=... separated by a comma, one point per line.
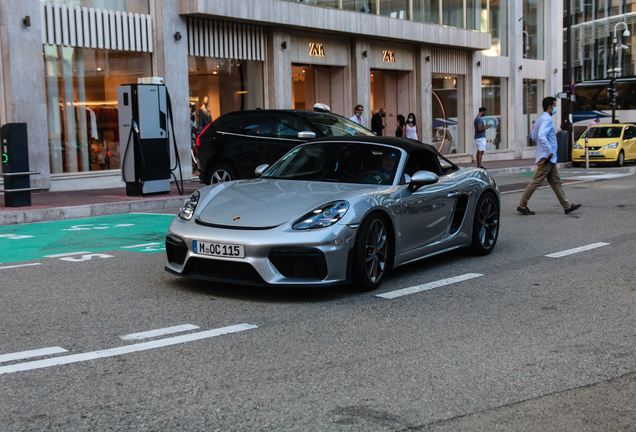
x=60, y=69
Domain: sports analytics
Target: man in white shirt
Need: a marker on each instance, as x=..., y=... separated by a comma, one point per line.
x=544, y=133
x=357, y=115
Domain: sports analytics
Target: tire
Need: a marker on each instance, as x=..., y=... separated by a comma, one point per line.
x=221, y=173
x=371, y=257
x=620, y=161
x=485, y=224
x=576, y=164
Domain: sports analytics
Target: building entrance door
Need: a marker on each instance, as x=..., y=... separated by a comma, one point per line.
x=318, y=84
x=390, y=90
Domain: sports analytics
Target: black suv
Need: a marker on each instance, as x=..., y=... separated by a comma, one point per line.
x=235, y=144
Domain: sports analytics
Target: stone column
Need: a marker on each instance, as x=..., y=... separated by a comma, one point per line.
x=514, y=116
x=474, y=73
x=23, y=80
x=423, y=93
x=554, y=54
x=279, y=69
x=170, y=61
x=360, y=79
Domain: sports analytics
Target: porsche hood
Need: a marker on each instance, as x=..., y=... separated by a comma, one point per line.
x=265, y=203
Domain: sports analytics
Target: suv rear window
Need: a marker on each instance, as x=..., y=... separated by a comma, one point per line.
x=228, y=123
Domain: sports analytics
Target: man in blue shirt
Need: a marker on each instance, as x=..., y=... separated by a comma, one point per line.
x=480, y=135
x=544, y=133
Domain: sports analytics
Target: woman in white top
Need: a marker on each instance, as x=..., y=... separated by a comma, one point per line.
x=411, y=128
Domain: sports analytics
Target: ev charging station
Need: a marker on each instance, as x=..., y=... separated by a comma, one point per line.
x=143, y=131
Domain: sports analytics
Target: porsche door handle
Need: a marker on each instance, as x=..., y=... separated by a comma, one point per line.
x=452, y=194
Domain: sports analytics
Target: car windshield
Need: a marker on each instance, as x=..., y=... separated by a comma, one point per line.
x=331, y=125
x=338, y=162
x=603, y=132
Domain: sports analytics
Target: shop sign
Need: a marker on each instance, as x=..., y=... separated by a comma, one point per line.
x=316, y=50
x=389, y=56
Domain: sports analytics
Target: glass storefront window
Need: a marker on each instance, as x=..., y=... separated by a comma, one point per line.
x=453, y=13
x=473, y=14
x=532, y=98
x=81, y=94
x=533, y=28
x=367, y=6
x=134, y=6
x=447, y=115
x=229, y=85
x=394, y=8
x=498, y=28
x=426, y=11
x=492, y=99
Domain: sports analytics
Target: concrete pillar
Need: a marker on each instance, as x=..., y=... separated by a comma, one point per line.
x=554, y=54
x=423, y=93
x=474, y=73
x=170, y=60
x=515, y=136
x=279, y=69
x=360, y=78
x=23, y=80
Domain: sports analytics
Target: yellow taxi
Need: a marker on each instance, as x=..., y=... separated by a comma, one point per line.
x=607, y=143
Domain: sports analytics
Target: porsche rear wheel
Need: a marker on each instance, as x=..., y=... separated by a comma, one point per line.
x=485, y=224
x=371, y=254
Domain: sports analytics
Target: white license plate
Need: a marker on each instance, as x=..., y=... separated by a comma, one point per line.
x=218, y=249
x=595, y=153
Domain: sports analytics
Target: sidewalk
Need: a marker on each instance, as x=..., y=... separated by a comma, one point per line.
x=49, y=206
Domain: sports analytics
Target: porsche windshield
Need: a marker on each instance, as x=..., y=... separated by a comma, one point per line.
x=338, y=162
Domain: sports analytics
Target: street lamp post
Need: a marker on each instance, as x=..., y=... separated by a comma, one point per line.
x=615, y=71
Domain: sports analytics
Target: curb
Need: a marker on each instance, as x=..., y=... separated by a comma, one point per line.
x=88, y=210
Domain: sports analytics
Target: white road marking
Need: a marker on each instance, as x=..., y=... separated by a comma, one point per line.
x=66, y=254
x=19, y=265
x=577, y=250
x=87, y=257
x=159, y=332
x=428, y=286
x=76, y=358
x=31, y=353
x=140, y=245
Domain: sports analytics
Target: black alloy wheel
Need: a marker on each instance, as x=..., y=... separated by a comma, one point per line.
x=371, y=254
x=485, y=224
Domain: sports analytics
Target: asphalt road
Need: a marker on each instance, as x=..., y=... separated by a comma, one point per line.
x=535, y=343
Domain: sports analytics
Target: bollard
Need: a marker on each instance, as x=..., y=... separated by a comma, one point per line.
x=587, y=155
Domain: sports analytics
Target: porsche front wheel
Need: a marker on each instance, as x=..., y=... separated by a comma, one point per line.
x=371, y=254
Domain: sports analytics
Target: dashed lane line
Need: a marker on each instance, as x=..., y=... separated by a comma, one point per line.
x=19, y=265
x=31, y=353
x=159, y=332
x=577, y=250
x=428, y=286
x=127, y=349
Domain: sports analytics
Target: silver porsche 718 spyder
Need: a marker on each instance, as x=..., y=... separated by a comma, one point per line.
x=334, y=211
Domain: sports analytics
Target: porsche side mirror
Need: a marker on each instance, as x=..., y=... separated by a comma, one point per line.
x=422, y=178
x=306, y=135
x=260, y=170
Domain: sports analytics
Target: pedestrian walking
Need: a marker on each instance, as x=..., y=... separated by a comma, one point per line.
x=377, y=122
x=357, y=115
x=544, y=135
x=480, y=135
x=411, y=128
x=399, y=132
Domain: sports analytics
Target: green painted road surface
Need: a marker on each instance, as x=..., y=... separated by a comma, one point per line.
x=134, y=232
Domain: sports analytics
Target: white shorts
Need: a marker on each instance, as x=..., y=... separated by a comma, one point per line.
x=481, y=144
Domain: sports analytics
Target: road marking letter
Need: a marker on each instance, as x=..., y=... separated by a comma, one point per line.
x=159, y=332
x=577, y=250
x=428, y=286
x=76, y=358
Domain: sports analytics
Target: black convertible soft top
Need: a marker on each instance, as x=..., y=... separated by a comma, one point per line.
x=407, y=144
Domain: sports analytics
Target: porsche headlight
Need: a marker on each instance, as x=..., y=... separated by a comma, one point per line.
x=578, y=146
x=611, y=146
x=323, y=216
x=190, y=205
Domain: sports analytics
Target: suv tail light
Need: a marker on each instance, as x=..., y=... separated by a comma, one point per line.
x=202, y=132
